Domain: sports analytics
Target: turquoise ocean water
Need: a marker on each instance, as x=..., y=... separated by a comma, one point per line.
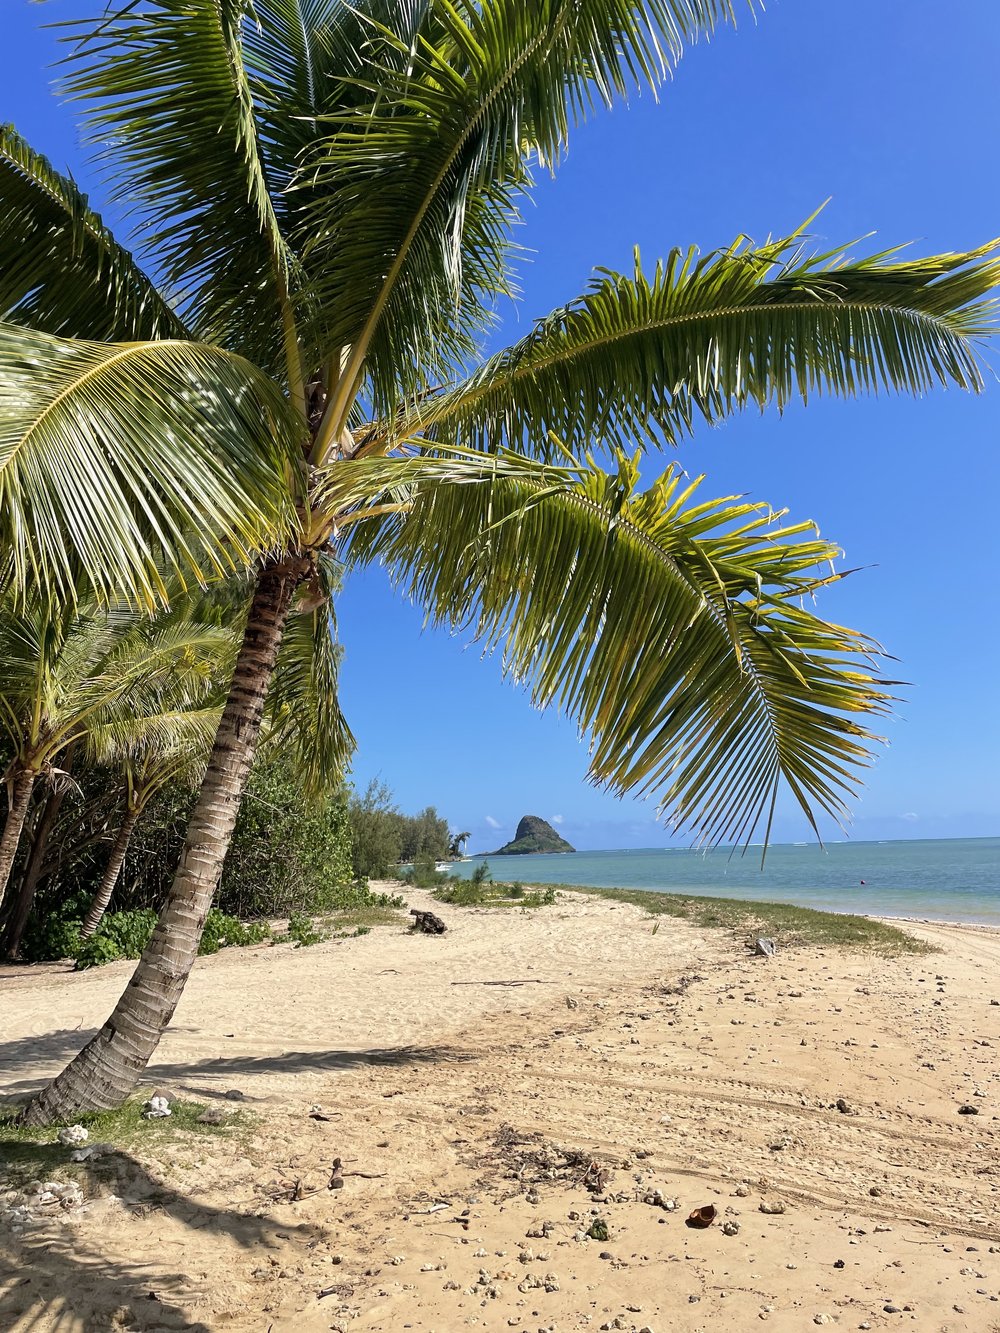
x=953, y=879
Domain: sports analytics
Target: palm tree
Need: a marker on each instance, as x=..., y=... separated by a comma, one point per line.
x=68, y=678
x=170, y=747
x=457, y=843
x=325, y=191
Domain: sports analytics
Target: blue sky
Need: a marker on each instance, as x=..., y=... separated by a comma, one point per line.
x=892, y=109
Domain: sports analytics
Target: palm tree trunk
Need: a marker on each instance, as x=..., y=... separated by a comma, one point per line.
x=108, y=1067
x=20, y=907
x=103, y=895
x=17, y=810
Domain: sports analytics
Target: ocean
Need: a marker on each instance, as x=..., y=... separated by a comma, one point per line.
x=944, y=879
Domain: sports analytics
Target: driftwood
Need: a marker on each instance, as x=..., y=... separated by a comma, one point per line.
x=529, y=981
x=427, y=922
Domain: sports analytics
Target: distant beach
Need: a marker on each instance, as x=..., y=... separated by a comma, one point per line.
x=942, y=879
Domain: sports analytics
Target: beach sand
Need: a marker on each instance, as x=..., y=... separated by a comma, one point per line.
x=472, y=1117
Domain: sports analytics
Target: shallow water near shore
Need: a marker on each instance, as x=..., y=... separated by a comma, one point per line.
x=943, y=879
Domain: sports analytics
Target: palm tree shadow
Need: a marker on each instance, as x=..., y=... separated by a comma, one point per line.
x=46, y=1276
x=28, y=1052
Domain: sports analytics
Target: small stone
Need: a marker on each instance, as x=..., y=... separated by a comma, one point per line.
x=838, y=1263
x=730, y=1228
x=967, y=1109
x=772, y=1206
x=822, y=1319
x=72, y=1135
x=845, y=1107
x=892, y=1309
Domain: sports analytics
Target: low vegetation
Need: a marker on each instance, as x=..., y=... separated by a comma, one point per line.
x=480, y=890
x=30, y=1153
x=785, y=924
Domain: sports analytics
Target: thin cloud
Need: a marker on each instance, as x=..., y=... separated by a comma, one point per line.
x=557, y=819
x=493, y=823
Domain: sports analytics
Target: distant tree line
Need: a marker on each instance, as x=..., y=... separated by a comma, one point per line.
x=382, y=836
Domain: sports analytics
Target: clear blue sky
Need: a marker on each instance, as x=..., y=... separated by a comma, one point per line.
x=892, y=108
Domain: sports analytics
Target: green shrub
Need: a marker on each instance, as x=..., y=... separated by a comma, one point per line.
x=97, y=951
x=303, y=931
x=51, y=937
x=462, y=893
x=222, y=930
x=424, y=873
x=126, y=934
x=120, y=935
x=478, y=893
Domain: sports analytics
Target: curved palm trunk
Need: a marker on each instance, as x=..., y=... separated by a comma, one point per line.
x=111, y=872
x=20, y=907
x=17, y=810
x=107, y=1068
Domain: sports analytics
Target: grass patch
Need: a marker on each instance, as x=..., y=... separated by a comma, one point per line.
x=30, y=1153
x=783, y=922
x=359, y=920
x=470, y=893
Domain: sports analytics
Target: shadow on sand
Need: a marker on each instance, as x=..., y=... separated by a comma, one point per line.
x=61, y=1046
x=48, y=1275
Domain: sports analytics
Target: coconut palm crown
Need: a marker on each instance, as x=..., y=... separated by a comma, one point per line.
x=324, y=194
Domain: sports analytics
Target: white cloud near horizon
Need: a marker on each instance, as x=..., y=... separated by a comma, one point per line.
x=493, y=823
x=557, y=819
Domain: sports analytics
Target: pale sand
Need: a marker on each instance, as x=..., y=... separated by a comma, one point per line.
x=709, y=1077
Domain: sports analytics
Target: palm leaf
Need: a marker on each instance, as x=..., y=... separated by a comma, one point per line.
x=303, y=702
x=644, y=359
x=61, y=270
x=170, y=104
x=417, y=185
x=672, y=629
x=117, y=460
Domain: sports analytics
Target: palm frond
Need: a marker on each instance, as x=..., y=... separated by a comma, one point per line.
x=640, y=359
x=117, y=460
x=61, y=269
x=169, y=102
x=303, y=704
x=672, y=629
x=416, y=186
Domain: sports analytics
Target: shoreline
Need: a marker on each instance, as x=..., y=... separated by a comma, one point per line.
x=474, y=1085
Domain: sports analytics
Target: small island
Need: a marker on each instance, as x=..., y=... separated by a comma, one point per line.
x=533, y=836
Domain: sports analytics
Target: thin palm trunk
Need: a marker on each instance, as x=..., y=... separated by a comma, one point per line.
x=20, y=907
x=113, y=869
x=17, y=811
x=107, y=1068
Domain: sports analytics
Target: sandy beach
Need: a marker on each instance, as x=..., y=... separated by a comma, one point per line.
x=497, y=1093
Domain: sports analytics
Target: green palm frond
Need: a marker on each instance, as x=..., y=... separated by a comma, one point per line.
x=639, y=358
x=157, y=746
x=169, y=102
x=416, y=186
x=61, y=270
x=119, y=459
x=673, y=630
x=105, y=676
x=303, y=704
